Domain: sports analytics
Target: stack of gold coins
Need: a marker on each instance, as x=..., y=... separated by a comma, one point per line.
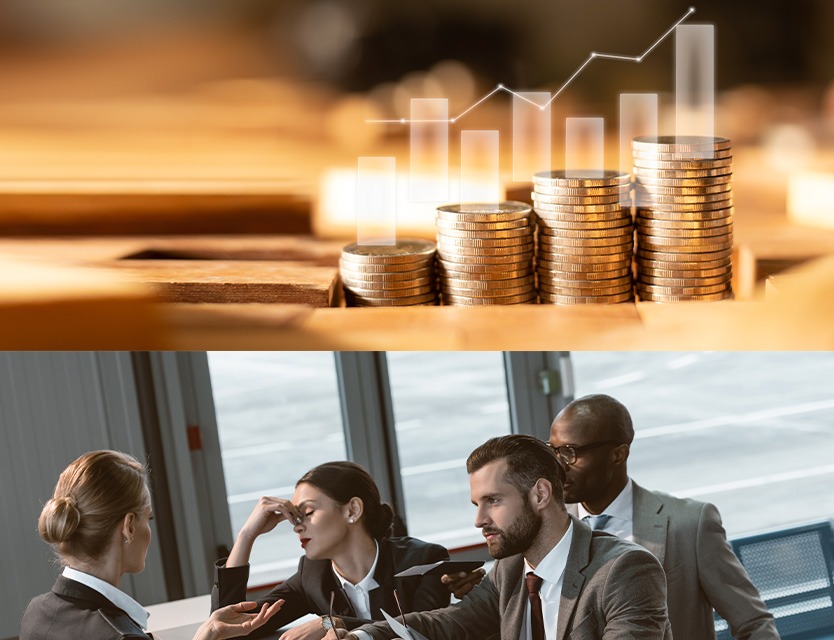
x=485, y=253
x=684, y=219
x=585, y=238
x=398, y=275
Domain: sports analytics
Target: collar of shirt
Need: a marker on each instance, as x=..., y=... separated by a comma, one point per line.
x=367, y=583
x=113, y=594
x=552, y=566
x=621, y=508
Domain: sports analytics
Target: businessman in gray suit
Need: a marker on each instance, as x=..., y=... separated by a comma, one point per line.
x=591, y=437
x=554, y=578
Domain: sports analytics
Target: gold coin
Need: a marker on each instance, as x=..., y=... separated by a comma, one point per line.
x=389, y=302
x=688, y=165
x=585, y=274
x=723, y=295
x=559, y=242
x=577, y=283
x=657, y=190
x=575, y=200
x=509, y=210
x=644, y=239
x=572, y=263
x=388, y=284
x=544, y=217
x=659, y=199
x=369, y=267
x=455, y=241
x=684, y=270
x=546, y=287
x=674, y=156
x=443, y=223
x=489, y=292
x=402, y=252
x=585, y=252
x=355, y=270
x=692, y=208
x=544, y=209
x=456, y=258
x=681, y=216
x=473, y=301
x=672, y=256
x=683, y=282
x=551, y=298
x=651, y=182
x=486, y=233
x=554, y=226
x=391, y=293
x=614, y=190
x=694, y=247
x=680, y=143
x=621, y=231
x=592, y=179
x=654, y=223
x=519, y=249
x=658, y=232
x=582, y=256
x=681, y=291
x=680, y=173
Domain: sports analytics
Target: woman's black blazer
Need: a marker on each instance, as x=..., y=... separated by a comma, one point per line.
x=308, y=591
x=74, y=610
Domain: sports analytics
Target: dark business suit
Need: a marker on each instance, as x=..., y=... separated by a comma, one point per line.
x=611, y=589
x=74, y=610
x=702, y=572
x=308, y=591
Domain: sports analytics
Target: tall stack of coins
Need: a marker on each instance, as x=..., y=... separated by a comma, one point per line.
x=485, y=253
x=585, y=238
x=684, y=217
x=389, y=276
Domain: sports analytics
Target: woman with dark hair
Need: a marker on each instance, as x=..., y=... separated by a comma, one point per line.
x=344, y=530
x=98, y=522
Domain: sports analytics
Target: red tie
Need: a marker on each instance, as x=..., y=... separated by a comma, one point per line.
x=534, y=585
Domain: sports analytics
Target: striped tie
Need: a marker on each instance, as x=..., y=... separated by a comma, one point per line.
x=597, y=523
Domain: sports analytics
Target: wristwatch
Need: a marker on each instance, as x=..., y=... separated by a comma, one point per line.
x=326, y=623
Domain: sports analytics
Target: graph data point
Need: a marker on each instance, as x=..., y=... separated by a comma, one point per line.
x=402, y=120
x=593, y=54
x=452, y=120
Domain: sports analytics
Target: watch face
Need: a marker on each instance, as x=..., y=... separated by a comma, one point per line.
x=326, y=623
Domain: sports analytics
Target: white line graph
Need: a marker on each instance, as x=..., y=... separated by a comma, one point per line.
x=594, y=55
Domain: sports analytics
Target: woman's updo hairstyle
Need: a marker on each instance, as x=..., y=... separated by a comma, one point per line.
x=342, y=481
x=92, y=496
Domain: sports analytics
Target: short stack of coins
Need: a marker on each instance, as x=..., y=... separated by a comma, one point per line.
x=585, y=237
x=684, y=217
x=402, y=274
x=485, y=253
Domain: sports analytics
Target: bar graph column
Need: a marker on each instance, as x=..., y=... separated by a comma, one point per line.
x=531, y=134
x=638, y=117
x=376, y=201
x=584, y=147
x=695, y=81
x=479, y=172
x=429, y=149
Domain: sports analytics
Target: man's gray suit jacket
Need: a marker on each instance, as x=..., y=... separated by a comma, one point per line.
x=702, y=572
x=612, y=588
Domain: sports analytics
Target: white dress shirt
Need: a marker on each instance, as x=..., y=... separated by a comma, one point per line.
x=359, y=593
x=552, y=572
x=113, y=594
x=621, y=511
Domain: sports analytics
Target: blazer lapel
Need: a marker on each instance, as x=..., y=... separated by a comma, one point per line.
x=513, y=615
x=649, y=525
x=383, y=596
x=579, y=557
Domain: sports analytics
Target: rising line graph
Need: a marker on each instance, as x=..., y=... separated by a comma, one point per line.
x=594, y=55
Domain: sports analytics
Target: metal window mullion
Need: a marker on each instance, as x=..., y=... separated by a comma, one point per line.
x=368, y=421
x=531, y=409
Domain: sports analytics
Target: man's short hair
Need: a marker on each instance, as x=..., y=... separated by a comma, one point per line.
x=603, y=410
x=528, y=459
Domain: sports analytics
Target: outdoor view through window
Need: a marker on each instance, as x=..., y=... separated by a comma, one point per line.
x=748, y=431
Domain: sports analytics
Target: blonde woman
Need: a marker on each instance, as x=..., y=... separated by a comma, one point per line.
x=99, y=524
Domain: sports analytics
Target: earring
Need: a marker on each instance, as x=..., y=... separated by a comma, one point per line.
x=350, y=520
x=126, y=541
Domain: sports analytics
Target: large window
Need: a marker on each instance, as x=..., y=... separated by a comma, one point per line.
x=278, y=415
x=445, y=404
x=751, y=432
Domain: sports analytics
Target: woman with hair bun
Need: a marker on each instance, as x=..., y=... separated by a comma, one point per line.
x=98, y=523
x=344, y=529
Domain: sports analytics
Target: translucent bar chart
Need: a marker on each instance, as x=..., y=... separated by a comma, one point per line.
x=638, y=117
x=584, y=147
x=531, y=134
x=429, y=150
x=695, y=82
x=479, y=167
x=376, y=201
